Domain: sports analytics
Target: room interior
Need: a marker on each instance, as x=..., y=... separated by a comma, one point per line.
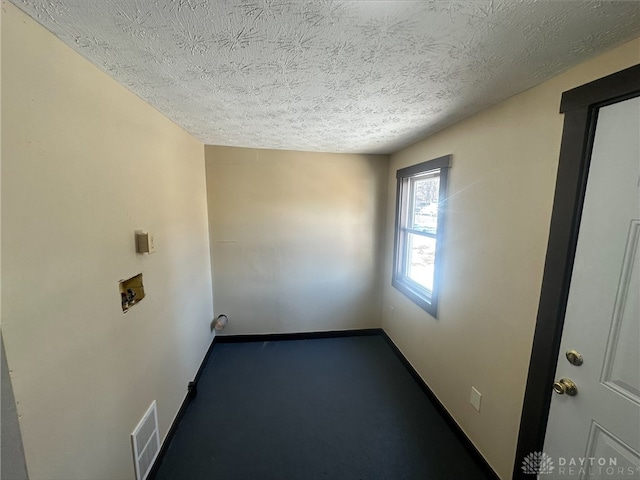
x=280, y=238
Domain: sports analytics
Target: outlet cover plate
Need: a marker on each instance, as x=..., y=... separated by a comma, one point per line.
x=476, y=397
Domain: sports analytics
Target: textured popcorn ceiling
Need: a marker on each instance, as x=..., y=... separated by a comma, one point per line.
x=340, y=76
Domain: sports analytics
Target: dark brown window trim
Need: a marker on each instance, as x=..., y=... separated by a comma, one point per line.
x=429, y=303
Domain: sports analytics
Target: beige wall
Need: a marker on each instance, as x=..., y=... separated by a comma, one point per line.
x=296, y=238
x=501, y=193
x=85, y=163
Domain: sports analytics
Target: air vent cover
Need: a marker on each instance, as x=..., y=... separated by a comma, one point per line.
x=146, y=442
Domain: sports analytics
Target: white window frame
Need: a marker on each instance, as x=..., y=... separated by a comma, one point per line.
x=426, y=299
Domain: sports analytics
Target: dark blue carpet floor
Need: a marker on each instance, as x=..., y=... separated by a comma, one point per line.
x=339, y=409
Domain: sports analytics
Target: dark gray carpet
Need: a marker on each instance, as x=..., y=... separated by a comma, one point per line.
x=340, y=409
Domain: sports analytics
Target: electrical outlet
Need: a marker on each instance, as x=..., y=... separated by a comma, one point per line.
x=152, y=243
x=476, y=396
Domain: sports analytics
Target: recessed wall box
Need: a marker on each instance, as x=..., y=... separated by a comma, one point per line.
x=131, y=292
x=144, y=242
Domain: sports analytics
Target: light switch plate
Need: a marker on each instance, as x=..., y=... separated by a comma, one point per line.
x=476, y=397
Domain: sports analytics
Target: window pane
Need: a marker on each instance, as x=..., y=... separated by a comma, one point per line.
x=424, y=203
x=421, y=260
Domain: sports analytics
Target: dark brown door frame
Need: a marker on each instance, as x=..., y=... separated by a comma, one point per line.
x=580, y=107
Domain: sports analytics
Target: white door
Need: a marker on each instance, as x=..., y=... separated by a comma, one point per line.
x=596, y=433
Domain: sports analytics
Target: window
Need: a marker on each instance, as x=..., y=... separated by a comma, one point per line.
x=421, y=195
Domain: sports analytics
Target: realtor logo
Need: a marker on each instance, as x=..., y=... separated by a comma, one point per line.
x=537, y=463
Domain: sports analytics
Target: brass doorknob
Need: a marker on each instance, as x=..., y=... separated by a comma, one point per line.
x=565, y=385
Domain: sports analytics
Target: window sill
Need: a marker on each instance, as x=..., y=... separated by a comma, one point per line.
x=417, y=296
